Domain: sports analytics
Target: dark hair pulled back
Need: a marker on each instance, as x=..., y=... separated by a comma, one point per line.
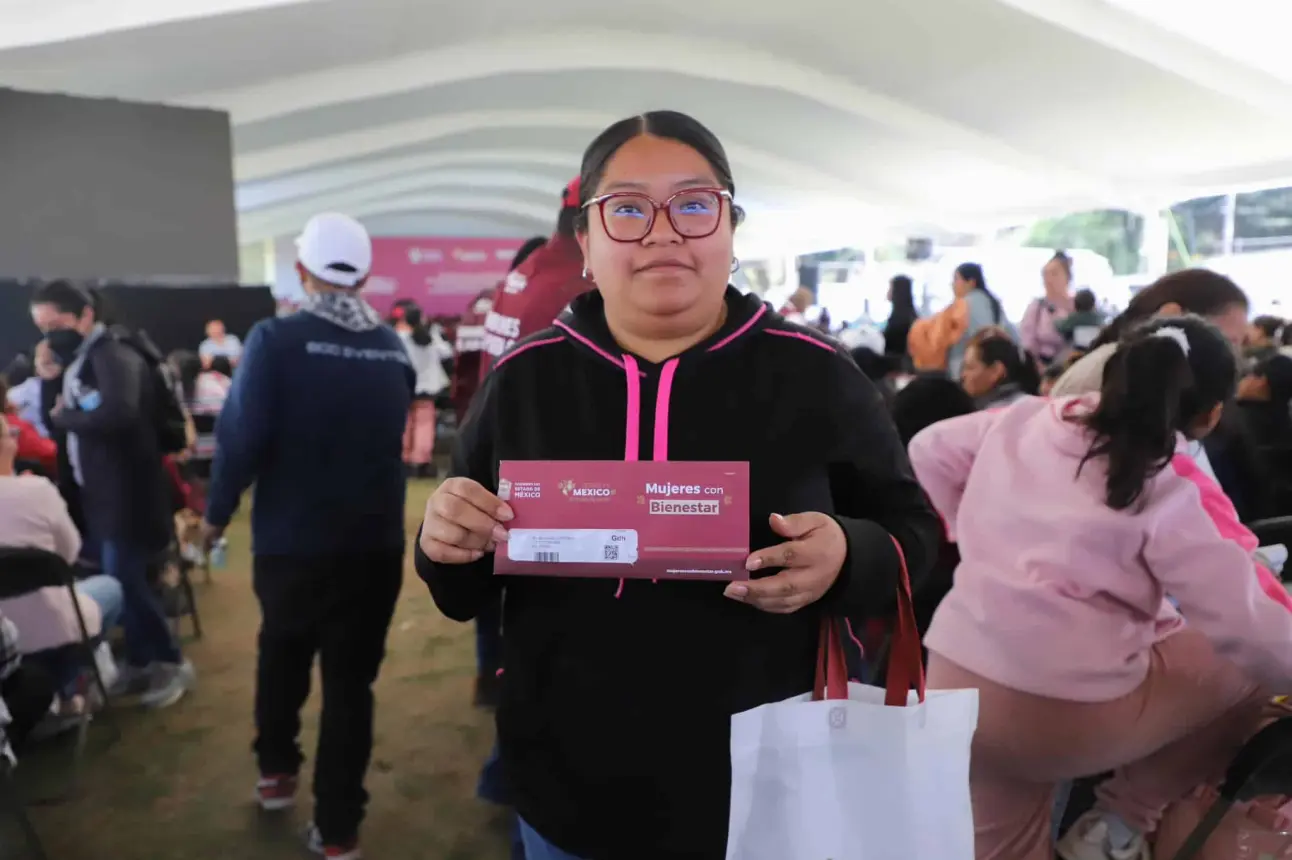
x=1154, y=388
x=1020, y=365
x=1196, y=291
x=522, y=253
x=668, y=124
x=972, y=272
x=417, y=322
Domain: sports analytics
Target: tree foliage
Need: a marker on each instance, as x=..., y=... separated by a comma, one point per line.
x=1114, y=233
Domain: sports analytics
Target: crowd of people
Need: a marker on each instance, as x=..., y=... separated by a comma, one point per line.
x=1093, y=477
x=1070, y=495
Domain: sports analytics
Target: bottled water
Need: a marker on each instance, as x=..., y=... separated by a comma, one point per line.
x=219, y=554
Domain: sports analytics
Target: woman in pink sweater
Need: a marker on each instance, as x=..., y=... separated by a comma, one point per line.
x=1075, y=519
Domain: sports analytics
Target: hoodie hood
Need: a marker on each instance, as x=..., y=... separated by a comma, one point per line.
x=584, y=324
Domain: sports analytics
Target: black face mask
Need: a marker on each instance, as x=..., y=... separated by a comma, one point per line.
x=64, y=343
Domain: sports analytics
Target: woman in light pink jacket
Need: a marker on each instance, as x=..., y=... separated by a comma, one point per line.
x=34, y=516
x=1075, y=519
x=1038, y=330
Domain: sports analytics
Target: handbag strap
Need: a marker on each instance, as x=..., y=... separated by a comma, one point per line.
x=831, y=663
x=905, y=656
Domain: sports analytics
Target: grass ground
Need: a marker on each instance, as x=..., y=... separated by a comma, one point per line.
x=178, y=783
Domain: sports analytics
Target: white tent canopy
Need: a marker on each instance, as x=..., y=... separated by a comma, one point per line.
x=840, y=118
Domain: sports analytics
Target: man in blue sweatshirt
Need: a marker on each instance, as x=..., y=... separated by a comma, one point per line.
x=315, y=418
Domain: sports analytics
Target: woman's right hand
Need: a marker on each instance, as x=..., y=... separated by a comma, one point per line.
x=463, y=522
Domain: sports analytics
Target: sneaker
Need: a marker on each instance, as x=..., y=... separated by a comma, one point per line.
x=275, y=793
x=169, y=683
x=314, y=840
x=130, y=681
x=1088, y=840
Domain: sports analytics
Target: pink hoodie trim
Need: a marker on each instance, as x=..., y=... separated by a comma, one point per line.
x=632, y=421
x=797, y=335
x=749, y=323
x=526, y=348
x=589, y=344
x=660, y=449
x=1225, y=518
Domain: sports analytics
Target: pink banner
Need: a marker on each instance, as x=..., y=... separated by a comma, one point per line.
x=441, y=275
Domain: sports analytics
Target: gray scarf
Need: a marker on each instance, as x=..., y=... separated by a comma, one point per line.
x=347, y=310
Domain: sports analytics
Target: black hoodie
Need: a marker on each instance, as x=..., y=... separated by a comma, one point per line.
x=614, y=723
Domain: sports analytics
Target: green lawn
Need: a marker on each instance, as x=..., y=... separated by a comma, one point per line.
x=179, y=782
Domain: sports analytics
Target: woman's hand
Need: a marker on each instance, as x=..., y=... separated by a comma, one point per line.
x=463, y=522
x=811, y=558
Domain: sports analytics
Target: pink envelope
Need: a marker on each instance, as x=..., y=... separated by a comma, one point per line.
x=625, y=519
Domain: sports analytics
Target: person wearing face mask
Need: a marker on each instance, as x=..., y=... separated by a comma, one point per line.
x=1038, y=331
x=114, y=457
x=665, y=360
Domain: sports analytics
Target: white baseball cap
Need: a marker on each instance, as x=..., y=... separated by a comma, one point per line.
x=335, y=248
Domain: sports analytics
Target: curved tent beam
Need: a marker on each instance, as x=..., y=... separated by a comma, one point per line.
x=271, y=192
x=594, y=50
x=541, y=218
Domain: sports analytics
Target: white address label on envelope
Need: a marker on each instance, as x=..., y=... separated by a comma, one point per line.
x=573, y=546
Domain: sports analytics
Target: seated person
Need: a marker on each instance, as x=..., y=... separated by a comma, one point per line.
x=36, y=452
x=1081, y=327
x=23, y=399
x=1119, y=681
x=1264, y=401
x=33, y=514
x=1050, y=377
x=1265, y=411
x=997, y=371
x=205, y=388
x=219, y=344
x=922, y=403
x=925, y=401
x=1263, y=338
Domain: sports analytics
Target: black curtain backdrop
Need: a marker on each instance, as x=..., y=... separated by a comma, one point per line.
x=174, y=317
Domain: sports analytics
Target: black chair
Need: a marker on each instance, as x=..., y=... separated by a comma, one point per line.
x=24, y=571
x=1263, y=767
x=182, y=602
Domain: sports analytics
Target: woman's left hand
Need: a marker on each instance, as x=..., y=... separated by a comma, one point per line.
x=811, y=558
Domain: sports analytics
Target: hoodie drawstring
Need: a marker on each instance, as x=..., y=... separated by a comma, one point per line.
x=632, y=421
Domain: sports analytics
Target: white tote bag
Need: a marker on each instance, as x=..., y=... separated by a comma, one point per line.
x=852, y=772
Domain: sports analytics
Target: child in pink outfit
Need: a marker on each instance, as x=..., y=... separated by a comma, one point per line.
x=1075, y=519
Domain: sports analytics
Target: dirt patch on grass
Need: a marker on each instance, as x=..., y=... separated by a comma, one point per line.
x=178, y=783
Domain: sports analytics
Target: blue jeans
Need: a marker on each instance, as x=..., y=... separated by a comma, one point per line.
x=108, y=594
x=148, y=636
x=65, y=663
x=538, y=848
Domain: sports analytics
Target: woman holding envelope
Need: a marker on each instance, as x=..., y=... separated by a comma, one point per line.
x=615, y=712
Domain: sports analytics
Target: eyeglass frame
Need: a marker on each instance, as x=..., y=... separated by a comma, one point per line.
x=722, y=193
